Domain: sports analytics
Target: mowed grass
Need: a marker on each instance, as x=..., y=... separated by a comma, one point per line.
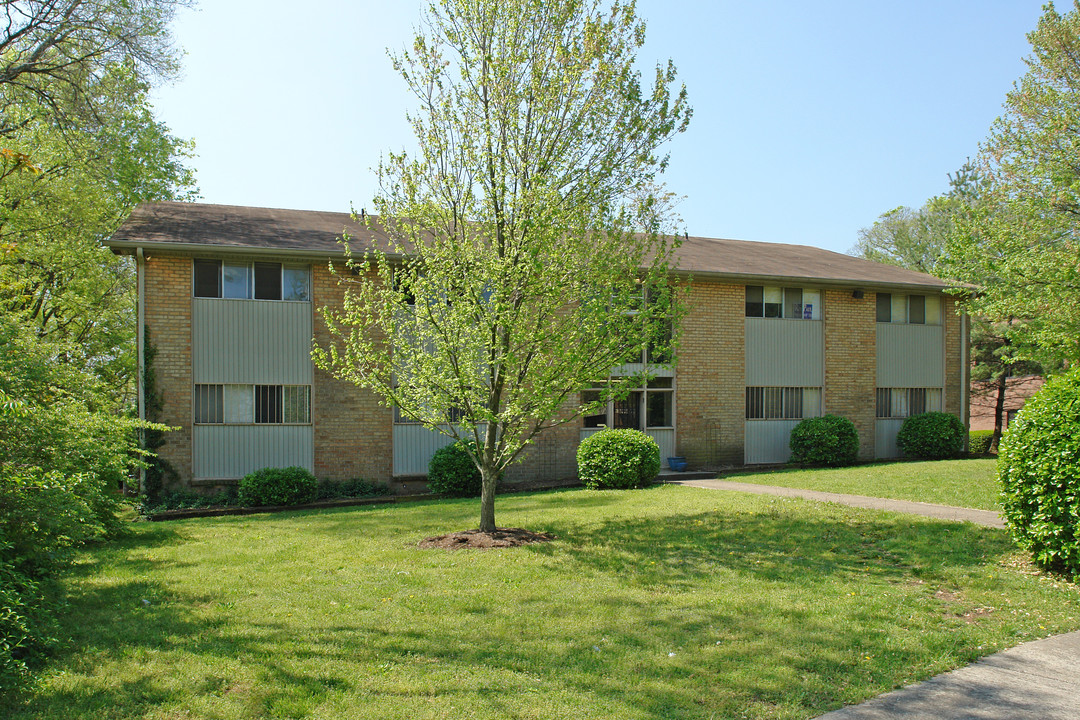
x=669, y=602
x=970, y=483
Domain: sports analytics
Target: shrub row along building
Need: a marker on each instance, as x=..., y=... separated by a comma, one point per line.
x=773, y=333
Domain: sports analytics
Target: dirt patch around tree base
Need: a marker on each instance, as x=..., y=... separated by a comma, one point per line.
x=476, y=540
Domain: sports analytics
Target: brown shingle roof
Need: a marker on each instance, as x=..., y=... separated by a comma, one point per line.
x=197, y=226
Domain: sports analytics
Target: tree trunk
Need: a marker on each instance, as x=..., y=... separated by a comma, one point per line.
x=490, y=479
x=999, y=411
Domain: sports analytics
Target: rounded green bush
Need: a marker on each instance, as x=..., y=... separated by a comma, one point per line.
x=979, y=441
x=932, y=436
x=452, y=472
x=1039, y=470
x=618, y=459
x=828, y=440
x=278, y=486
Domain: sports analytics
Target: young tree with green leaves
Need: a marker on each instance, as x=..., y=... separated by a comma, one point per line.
x=528, y=255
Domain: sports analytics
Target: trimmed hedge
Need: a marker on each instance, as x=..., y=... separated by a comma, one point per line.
x=828, y=440
x=1039, y=470
x=931, y=436
x=278, y=486
x=452, y=472
x=979, y=441
x=618, y=459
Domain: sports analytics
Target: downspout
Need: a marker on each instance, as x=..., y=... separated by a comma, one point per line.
x=965, y=409
x=140, y=339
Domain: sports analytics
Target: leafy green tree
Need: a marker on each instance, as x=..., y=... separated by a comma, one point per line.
x=924, y=240
x=1020, y=245
x=52, y=50
x=527, y=257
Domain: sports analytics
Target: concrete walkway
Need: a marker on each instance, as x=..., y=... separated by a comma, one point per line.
x=945, y=512
x=1034, y=681
x=1037, y=681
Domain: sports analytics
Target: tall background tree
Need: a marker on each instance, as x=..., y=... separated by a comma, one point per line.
x=1021, y=244
x=1001, y=346
x=79, y=147
x=527, y=223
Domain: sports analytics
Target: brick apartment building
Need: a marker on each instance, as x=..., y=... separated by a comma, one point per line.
x=773, y=333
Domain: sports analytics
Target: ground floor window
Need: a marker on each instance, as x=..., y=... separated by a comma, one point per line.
x=242, y=404
x=905, y=402
x=782, y=403
x=650, y=406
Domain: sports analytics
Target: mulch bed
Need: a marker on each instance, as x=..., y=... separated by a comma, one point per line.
x=476, y=540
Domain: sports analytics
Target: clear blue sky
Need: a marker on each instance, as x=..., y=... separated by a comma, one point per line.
x=810, y=119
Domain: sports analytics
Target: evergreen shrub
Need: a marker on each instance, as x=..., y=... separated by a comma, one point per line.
x=618, y=459
x=828, y=440
x=1039, y=470
x=931, y=436
x=452, y=472
x=278, y=486
x=979, y=441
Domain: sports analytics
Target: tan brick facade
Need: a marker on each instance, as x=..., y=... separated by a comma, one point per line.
x=353, y=432
x=956, y=337
x=851, y=362
x=167, y=314
x=710, y=377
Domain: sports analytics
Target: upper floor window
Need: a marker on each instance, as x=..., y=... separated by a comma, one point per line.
x=783, y=302
x=912, y=309
x=247, y=280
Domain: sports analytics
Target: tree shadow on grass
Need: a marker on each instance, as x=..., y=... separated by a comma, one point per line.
x=648, y=645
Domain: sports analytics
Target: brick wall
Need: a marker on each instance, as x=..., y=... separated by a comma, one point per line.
x=353, y=432
x=710, y=378
x=851, y=362
x=167, y=314
x=954, y=327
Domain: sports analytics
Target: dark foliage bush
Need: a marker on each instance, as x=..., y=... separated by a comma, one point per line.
x=932, y=436
x=828, y=440
x=278, y=486
x=618, y=459
x=1039, y=470
x=44, y=517
x=979, y=441
x=337, y=489
x=27, y=625
x=452, y=472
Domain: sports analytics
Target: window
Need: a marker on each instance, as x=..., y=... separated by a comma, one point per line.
x=777, y=302
x=911, y=309
x=650, y=406
x=247, y=280
x=782, y=403
x=905, y=402
x=239, y=404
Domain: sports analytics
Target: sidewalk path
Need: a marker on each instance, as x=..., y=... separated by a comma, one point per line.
x=1034, y=681
x=945, y=512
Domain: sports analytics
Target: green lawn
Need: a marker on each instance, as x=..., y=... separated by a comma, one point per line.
x=962, y=483
x=669, y=602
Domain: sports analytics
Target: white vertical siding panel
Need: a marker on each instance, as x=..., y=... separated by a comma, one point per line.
x=767, y=441
x=665, y=438
x=413, y=447
x=910, y=355
x=232, y=451
x=784, y=353
x=251, y=341
x=885, y=431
